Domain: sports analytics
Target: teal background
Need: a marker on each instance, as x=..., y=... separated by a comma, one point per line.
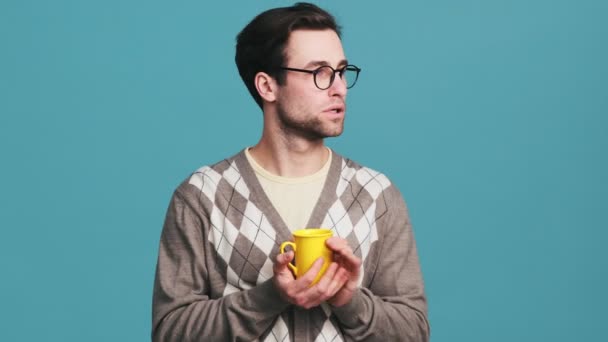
x=490, y=116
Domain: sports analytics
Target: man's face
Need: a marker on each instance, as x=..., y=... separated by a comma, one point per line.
x=304, y=109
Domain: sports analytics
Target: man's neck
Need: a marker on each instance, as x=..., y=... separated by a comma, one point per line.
x=292, y=158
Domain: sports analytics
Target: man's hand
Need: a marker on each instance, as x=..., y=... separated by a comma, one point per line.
x=348, y=264
x=337, y=286
x=298, y=291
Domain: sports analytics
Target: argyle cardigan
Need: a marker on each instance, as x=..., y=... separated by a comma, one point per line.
x=220, y=238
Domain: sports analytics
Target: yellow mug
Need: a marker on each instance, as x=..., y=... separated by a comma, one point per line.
x=309, y=245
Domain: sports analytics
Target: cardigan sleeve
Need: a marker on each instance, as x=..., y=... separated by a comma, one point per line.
x=393, y=307
x=182, y=308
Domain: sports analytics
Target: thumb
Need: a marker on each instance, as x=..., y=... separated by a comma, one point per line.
x=282, y=260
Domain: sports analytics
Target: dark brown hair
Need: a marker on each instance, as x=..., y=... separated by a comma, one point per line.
x=260, y=46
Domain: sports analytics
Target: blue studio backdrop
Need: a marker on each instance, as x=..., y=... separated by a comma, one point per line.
x=490, y=116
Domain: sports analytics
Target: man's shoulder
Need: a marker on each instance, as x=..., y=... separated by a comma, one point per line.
x=209, y=176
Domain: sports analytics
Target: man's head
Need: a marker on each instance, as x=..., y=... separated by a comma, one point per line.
x=292, y=61
x=261, y=44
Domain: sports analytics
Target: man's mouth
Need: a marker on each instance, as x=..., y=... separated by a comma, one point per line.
x=336, y=109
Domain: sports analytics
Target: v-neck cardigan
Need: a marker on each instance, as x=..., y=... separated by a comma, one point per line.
x=221, y=236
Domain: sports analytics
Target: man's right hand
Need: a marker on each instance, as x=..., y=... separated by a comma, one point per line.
x=298, y=291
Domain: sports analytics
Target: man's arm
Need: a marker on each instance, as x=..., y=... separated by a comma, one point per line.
x=182, y=307
x=394, y=306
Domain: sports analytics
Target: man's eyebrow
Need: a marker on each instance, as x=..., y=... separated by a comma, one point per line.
x=324, y=63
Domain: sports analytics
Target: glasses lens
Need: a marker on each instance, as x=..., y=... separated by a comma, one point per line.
x=323, y=77
x=351, y=73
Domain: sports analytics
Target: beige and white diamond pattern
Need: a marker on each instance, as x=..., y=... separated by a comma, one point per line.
x=254, y=225
x=258, y=231
x=339, y=216
x=279, y=332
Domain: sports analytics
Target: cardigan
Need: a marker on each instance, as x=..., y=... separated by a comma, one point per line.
x=221, y=236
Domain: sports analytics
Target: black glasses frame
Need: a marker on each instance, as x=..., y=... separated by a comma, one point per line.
x=340, y=71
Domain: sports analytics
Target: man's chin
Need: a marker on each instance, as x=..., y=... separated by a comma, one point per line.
x=335, y=131
x=319, y=130
x=334, y=134
x=322, y=134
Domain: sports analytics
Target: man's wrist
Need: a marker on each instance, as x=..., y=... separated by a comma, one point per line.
x=348, y=313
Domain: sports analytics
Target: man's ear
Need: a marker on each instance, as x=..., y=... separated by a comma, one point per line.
x=267, y=86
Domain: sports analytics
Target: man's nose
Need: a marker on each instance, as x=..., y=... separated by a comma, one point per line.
x=338, y=87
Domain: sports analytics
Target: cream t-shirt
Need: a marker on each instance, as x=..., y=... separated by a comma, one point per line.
x=294, y=198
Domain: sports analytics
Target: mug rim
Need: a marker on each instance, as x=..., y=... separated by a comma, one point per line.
x=312, y=232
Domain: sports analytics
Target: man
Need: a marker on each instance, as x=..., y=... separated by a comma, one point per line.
x=220, y=274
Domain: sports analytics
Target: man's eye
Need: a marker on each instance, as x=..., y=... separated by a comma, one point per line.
x=324, y=72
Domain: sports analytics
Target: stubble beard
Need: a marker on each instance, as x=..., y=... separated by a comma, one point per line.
x=312, y=128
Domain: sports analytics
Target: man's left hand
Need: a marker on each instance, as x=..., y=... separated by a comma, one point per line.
x=348, y=263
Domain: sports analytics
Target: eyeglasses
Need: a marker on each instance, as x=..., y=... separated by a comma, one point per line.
x=324, y=76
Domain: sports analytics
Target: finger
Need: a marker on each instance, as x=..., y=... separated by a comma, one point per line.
x=336, y=258
x=342, y=276
x=338, y=281
x=314, y=295
x=327, y=276
x=350, y=261
x=337, y=246
x=320, y=288
x=282, y=260
x=300, y=288
x=340, y=247
x=335, y=281
x=335, y=243
x=307, y=278
x=343, y=254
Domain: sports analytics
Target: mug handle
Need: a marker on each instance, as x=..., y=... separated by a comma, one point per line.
x=290, y=265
